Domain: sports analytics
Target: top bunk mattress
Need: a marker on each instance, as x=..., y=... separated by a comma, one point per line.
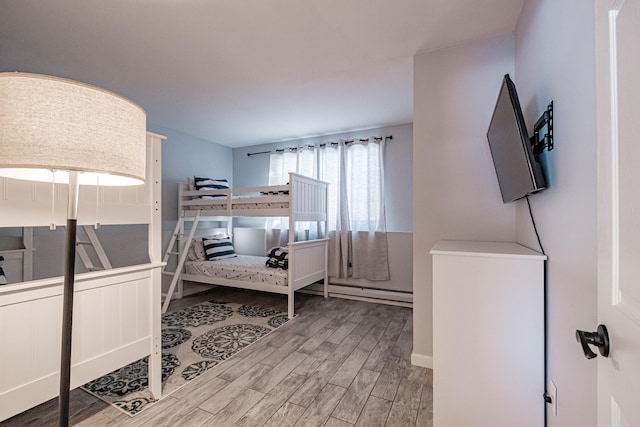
x=256, y=202
x=246, y=268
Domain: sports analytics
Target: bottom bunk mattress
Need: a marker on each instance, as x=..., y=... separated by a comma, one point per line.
x=246, y=268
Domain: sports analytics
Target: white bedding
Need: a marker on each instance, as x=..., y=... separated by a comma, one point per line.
x=246, y=268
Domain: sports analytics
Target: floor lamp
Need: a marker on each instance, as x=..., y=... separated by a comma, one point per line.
x=58, y=130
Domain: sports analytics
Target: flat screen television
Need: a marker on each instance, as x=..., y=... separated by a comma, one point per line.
x=518, y=169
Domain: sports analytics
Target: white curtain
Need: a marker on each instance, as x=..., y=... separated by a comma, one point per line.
x=357, y=224
x=301, y=160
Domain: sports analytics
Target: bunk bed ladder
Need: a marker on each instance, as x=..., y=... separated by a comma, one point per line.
x=180, y=251
x=94, y=242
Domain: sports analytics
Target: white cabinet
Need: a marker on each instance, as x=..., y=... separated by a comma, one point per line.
x=488, y=335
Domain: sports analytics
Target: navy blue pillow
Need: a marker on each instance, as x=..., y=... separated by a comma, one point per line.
x=216, y=249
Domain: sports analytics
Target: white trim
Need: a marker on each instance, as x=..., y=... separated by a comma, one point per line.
x=615, y=218
x=422, y=360
x=616, y=413
x=617, y=298
x=358, y=298
x=401, y=299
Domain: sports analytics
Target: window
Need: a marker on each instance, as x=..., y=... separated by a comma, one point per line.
x=355, y=175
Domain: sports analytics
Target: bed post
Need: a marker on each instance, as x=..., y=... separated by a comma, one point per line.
x=326, y=243
x=290, y=304
x=154, y=175
x=326, y=269
x=292, y=234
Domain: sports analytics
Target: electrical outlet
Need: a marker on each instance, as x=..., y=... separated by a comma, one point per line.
x=553, y=392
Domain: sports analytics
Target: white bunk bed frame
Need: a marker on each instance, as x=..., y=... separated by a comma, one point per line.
x=306, y=200
x=116, y=311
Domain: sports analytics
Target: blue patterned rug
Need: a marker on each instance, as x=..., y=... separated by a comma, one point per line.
x=194, y=340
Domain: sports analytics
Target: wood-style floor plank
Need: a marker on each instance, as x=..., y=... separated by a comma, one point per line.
x=236, y=409
x=425, y=410
x=279, y=372
x=354, y=399
x=270, y=404
x=287, y=416
x=350, y=368
x=190, y=401
x=334, y=422
x=339, y=363
x=315, y=383
x=195, y=418
x=322, y=406
x=245, y=363
x=375, y=413
x=315, y=359
x=234, y=389
x=404, y=411
x=392, y=373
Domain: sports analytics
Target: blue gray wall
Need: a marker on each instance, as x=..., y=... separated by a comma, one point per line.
x=184, y=156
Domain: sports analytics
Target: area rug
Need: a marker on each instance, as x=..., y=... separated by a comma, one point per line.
x=194, y=340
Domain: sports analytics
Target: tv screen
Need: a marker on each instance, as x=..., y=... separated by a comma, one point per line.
x=519, y=172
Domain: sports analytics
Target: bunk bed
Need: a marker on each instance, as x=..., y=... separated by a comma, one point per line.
x=302, y=199
x=116, y=310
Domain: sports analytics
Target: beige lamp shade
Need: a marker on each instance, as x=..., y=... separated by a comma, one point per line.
x=49, y=124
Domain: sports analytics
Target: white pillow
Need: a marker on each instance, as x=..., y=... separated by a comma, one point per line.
x=196, y=251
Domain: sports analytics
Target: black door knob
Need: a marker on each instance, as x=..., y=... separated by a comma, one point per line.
x=600, y=339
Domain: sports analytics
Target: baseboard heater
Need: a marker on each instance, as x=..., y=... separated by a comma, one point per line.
x=359, y=293
x=354, y=292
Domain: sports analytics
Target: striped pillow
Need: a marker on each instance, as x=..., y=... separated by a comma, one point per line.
x=216, y=249
x=210, y=184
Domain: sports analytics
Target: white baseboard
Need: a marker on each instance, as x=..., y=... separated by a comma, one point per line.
x=422, y=360
x=403, y=299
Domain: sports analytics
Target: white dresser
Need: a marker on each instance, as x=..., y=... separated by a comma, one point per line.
x=488, y=335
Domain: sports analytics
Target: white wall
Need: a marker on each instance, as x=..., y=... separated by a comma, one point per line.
x=456, y=194
x=555, y=60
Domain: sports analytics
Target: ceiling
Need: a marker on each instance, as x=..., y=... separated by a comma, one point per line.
x=246, y=72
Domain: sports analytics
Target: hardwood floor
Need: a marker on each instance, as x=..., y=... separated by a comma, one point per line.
x=339, y=363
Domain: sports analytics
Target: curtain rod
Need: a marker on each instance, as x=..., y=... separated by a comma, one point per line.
x=377, y=138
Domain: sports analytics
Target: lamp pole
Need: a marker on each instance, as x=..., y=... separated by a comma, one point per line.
x=67, y=301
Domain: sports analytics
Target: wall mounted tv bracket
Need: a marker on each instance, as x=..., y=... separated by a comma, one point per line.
x=546, y=119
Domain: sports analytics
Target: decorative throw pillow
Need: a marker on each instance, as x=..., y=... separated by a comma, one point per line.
x=210, y=184
x=278, y=258
x=196, y=251
x=279, y=252
x=217, y=249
